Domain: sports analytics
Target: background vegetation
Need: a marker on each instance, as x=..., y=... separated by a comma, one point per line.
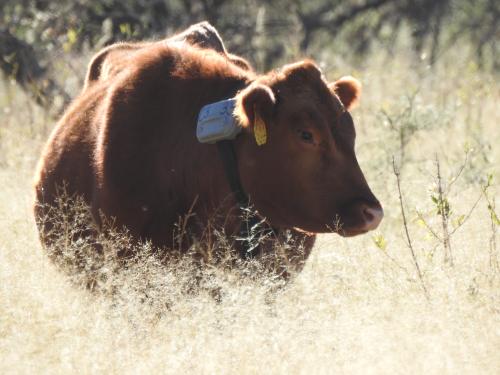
x=421, y=295
x=34, y=32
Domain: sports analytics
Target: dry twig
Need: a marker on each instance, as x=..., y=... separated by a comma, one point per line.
x=405, y=224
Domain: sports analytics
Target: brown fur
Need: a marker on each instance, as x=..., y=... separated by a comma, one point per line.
x=127, y=145
x=114, y=58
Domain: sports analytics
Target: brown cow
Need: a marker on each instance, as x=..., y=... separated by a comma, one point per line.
x=127, y=145
x=111, y=60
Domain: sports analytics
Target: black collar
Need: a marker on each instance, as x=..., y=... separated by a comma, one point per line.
x=253, y=228
x=228, y=156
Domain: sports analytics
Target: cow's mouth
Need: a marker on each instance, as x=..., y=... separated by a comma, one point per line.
x=368, y=217
x=351, y=232
x=359, y=218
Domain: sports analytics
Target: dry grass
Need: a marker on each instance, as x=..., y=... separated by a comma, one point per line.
x=356, y=308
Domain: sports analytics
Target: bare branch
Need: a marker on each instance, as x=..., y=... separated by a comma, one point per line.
x=428, y=227
x=405, y=224
x=396, y=263
x=459, y=172
x=468, y=214
x=443, y=212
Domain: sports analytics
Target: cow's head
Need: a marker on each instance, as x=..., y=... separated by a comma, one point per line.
x=306, y=174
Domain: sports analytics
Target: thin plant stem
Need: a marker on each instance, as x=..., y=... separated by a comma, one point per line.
x=405, y=224
x=448, y=256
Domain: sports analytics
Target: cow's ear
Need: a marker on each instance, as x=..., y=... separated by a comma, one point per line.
x=254, y=102
x=348, y=89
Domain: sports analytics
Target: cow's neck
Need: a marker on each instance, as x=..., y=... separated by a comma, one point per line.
x=252, y=226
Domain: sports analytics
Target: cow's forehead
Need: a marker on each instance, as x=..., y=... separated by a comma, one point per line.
x=314, y=94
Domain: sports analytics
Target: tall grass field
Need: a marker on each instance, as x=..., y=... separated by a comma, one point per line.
x=420, y=295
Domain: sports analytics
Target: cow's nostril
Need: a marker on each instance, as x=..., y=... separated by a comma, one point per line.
x=373, y=216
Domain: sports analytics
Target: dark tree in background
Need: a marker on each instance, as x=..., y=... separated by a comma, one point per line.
x=263, y=31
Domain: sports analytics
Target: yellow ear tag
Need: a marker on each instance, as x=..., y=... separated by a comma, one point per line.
x=259, y=129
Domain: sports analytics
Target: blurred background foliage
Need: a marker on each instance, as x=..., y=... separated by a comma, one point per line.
x=33, y=33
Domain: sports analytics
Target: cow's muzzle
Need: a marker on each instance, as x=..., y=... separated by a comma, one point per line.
x=372, y=217
x=364, y=217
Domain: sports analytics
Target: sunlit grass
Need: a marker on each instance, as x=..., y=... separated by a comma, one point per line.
x=357, y=307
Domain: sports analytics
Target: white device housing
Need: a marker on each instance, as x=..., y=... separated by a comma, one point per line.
x=216, y=122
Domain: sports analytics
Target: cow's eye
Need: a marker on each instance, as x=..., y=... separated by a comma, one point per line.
x=306, y=136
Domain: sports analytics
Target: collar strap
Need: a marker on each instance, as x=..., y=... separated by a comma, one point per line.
x=228, y=156
x=253, y=228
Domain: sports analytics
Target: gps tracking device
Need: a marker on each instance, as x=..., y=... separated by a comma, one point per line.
x=216, y=122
